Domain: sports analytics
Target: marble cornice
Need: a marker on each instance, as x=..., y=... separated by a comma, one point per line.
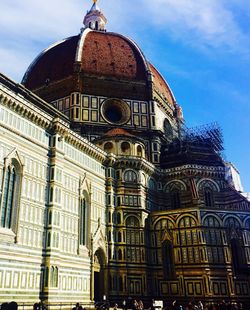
x=135, y=163
x=62, y=128
x=165, y=104
x=194, y=171
x=25, y=109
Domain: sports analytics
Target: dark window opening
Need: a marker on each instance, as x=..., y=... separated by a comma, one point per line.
x=168, y=260
x=209, y=201
x=175, y=199
x=83, y=222
x=238, y=256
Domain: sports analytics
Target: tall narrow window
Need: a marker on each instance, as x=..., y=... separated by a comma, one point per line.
x=238, y=256
x=168, y=260
x=139, y=150
x=208, y=195
x=83, y=221
x=175, y=199
x=8, y=197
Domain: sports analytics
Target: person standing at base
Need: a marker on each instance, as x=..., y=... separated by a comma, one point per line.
x=124, y=304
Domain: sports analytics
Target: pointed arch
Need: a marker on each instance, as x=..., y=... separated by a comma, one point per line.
x=11, y=191
x=208, y=183
x=232, y=221
x=211, y=221
x=247, y=223
x=175, y=185
x=152, y=184
x=132, y=221
x=187, y=221
x=84, y=212
x=163, y=223
x=130, y=176
x=83, y=219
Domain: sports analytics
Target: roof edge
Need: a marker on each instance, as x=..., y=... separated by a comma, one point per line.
x=24, y=79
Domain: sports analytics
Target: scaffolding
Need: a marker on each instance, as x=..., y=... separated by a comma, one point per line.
x=209, y=134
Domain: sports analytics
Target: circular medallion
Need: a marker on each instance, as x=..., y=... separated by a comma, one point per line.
x=115, y=111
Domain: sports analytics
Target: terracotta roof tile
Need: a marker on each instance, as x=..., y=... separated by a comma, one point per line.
x=117, y=132
x=161, y=85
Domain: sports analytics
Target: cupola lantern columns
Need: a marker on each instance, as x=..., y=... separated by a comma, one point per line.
x=94, y=18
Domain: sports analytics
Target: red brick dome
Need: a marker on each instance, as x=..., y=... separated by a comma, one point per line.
x=89, y=63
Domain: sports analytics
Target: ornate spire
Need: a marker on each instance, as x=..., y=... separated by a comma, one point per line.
x=94, y=18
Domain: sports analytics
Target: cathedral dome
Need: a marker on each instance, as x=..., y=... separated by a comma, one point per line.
x=92, y=52
x=95, y=62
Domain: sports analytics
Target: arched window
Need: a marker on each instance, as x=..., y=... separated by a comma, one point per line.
x=168, y=260
x=247, y=224
x=108, y=147
x=187, y=221
x=10, y=195
x=211, y=221
x=152, y=184
x=125, y=147
x=208, y=197
x=132, y=221
x=51, y=276
x=232, y=222
x=83, y=222
x=46, y=276
x=49, y=239
x=119, y=236
x=130, y=176
x=119, y=254
x=175, y=199
x=50, y=217
x=139, y=151
x=96, y=25
x=56, y=277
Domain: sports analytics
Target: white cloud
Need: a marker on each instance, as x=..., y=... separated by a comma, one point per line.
x=200, y=23
x=204, y=22
x=38, y=19
x=210, y=21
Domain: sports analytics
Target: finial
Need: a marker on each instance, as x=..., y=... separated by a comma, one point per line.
x=95, y=18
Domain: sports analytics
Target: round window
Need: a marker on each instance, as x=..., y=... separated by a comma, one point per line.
x=108, y=147
x=115, y=111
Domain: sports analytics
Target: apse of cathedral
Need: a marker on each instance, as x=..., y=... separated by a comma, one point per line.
x=105, y=194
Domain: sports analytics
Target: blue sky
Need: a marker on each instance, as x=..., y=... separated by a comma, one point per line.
x=201, y=47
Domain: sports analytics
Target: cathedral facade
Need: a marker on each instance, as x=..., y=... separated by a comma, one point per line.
x=103, y=190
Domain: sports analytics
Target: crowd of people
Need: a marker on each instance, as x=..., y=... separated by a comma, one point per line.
x=9, y=306
x=139, y=305
x=14, y=306
x=192, y=305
